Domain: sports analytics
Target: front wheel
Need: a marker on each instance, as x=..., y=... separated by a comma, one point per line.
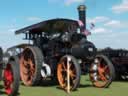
x=102, y=72
x=68, y=79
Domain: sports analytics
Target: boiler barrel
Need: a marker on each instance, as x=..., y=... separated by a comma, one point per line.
x=86, y=50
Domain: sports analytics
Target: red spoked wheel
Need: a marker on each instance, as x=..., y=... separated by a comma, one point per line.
x=11, y=76
x=74, y=73
x=8, y=79
x=101, y=72
x=30, y=66
x=1, y=65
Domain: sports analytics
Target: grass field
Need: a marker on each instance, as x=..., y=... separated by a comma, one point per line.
x=117, y=88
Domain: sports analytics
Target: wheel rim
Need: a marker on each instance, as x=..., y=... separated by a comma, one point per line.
x=62, y=73
x=27, y=66
x=8, y=79
x=101, y=76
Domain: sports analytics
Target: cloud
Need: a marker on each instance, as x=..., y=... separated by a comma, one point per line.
x=9, y=39
x=98, y=19
x=116, y=24
x=33, y=19
x=120, y=8
x=113, y=23
x=11, y=30
x=66, y=2
x=112, y=39
x=100, y=30
x=69, y=2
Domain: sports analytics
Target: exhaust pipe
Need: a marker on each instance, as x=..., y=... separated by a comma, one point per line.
x=82, y=16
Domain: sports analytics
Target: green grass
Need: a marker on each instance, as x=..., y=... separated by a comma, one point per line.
x=85, y=89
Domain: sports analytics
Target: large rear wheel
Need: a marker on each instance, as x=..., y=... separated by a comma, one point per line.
x=11, y=77
x=74, y=73
x=102, y=72
x=30, y=65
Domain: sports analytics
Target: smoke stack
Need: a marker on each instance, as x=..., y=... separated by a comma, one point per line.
x=82, y=16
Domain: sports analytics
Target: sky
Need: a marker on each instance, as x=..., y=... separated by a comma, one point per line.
x=109, y=16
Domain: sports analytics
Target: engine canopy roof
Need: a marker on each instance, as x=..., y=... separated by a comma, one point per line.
x=50, y=26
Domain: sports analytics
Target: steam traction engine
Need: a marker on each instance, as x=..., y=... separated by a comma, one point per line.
x=55, y=44
x=9, y=73
x=57, y=49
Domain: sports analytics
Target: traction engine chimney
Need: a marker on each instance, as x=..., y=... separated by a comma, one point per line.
x=82, y=16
